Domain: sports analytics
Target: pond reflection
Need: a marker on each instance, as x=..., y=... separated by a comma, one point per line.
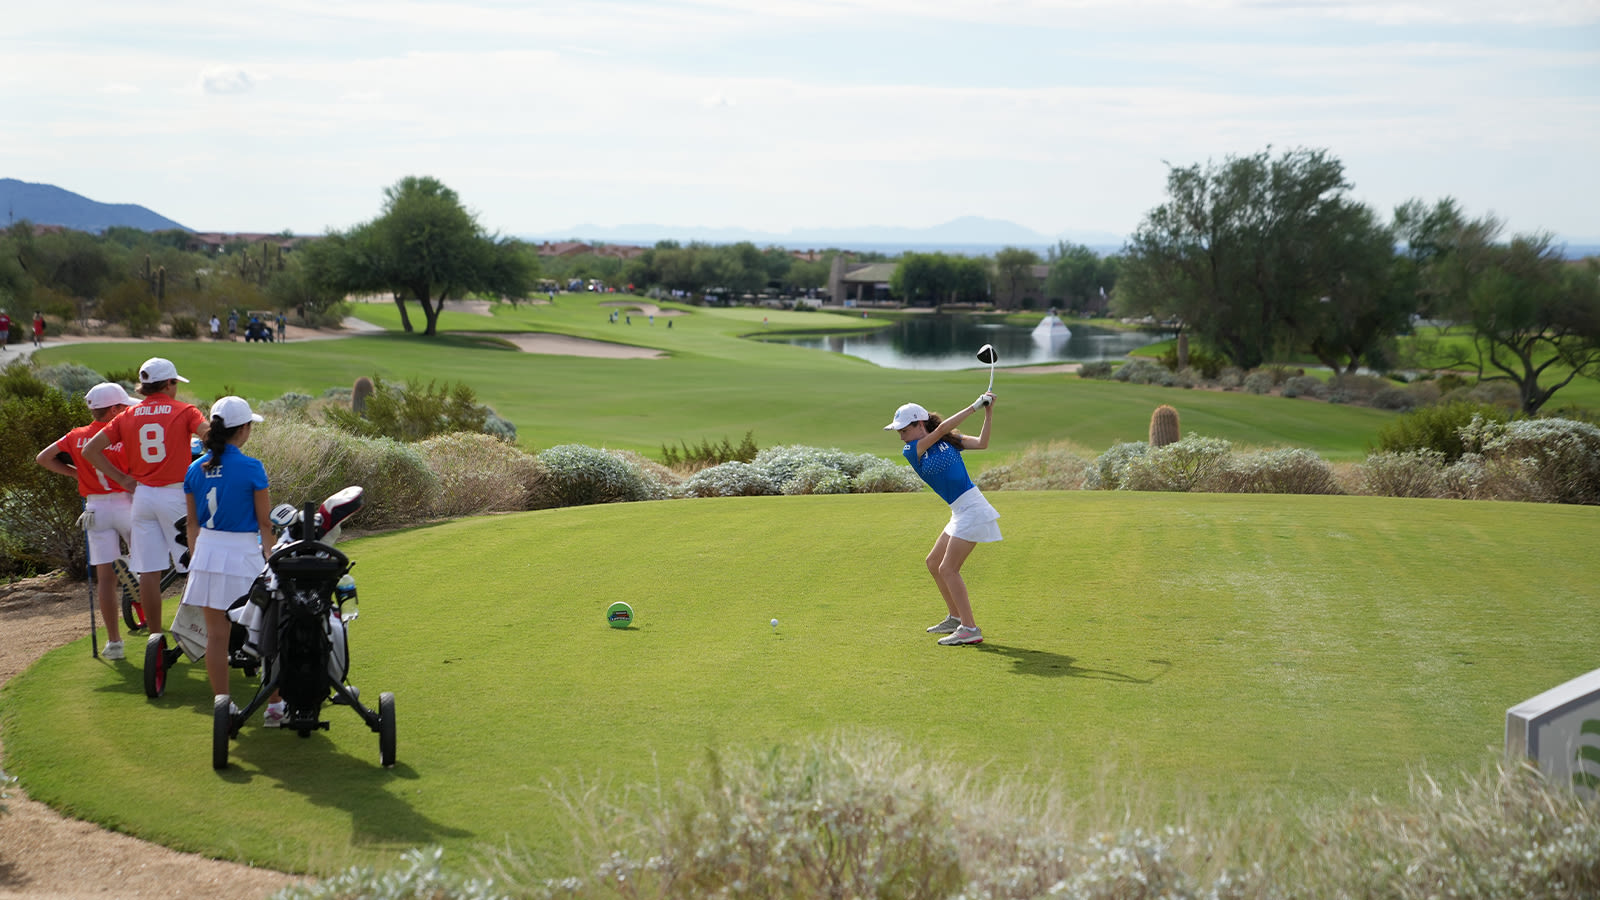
x=950, y=342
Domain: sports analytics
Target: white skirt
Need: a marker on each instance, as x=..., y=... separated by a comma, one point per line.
x=972, y=518
x=222, y=567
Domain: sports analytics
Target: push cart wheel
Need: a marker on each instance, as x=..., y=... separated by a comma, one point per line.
x=386, y=729
x=128, y=587
x=221, y=730
x=155, y=666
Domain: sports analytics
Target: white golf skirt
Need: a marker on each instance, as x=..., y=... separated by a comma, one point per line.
x=972, y=518
x=221, y=567
x=108, y=520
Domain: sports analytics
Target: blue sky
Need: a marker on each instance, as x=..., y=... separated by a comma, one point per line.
x=1059, y=115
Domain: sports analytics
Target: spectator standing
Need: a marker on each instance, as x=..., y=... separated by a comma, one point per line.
x=107, y=506
x=5, y=329
x=155, y=437
x=38, y=328
x=283, y=326
x=233, y=324
x=216, y=328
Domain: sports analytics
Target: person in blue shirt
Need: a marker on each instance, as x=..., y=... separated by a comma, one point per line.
x=230, y=532
x=933, y=446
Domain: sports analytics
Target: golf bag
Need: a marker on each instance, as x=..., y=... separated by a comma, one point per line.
x=294, y=621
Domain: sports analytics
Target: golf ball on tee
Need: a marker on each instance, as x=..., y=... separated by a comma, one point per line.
x=774, y=623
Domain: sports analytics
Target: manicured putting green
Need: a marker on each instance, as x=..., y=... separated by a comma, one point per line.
x=1314, y=647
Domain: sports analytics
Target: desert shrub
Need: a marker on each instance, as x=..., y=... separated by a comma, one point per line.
x=1404, y=473
x=305, y=463
x=1425, y=393
x=185, y=327
x=292, y=405
x=782, y=463
x=884, y=477
x=731, y=479
x=1450, y=381
x=1287, y=471
x=1100, y=368
x=1205, y=365
x=1185, y=466
x=1187, y=377
x=70, y=378
x=1500, y=394
x=1304, y=386
x=1259, y=382
x=1436, y=428
x=38, y=508
x=1395, y=398
x=412, y=412
x=478, y=473
x=1143, y=371
x=496, y=427
x=420, y=876
x=1352, y=388
x=1110, y=468
x=1562, y=457
x=580, y=476
x=816, y=478
x=707, y=454
x=1050, y=467
x=5, y=782
x=1230, y=378
x=400, y=488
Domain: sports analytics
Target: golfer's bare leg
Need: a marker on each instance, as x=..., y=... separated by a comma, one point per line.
x=150, y=599
x=106, y=591
x=956, y=552
x=934, y=560
x=217, y=628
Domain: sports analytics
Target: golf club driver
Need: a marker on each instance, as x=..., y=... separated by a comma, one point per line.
x=986, y=354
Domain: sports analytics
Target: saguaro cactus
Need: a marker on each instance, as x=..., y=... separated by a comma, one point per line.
x=359, y=395
x=1183, y=350
x=1163, y=426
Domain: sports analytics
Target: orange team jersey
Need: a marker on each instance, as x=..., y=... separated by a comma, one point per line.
x=91, y=481
x=155, y=438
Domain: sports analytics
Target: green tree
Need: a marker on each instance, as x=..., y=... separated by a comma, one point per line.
x=1079, y=277
x=1014, y=267
x=970, y=277
x=1533, y=316
x=424, y=246
x=1367, y=300
x=923, y=279
x=1241, y=251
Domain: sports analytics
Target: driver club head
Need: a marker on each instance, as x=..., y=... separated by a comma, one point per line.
x=986, y=354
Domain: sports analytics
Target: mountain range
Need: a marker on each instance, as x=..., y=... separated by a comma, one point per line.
x=46, y=204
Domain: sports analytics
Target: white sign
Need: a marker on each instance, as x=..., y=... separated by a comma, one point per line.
x=1560, y=731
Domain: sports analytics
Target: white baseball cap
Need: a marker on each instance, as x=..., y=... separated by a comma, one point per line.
x=156, y=370
x=905, y=415
x=234, y=412
x=107, y=393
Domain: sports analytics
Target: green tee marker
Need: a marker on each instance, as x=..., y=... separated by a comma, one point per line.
x=619, y=615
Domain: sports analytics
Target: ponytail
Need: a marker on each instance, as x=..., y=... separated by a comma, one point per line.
x=216, y=441
x=953, y=438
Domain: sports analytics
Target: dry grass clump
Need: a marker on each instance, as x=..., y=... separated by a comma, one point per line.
x=479, y=473
x=1056, y=466
x=853, y=817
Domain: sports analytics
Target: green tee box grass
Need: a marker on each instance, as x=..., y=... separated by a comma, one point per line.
x=1206, y=645
x=714, y=385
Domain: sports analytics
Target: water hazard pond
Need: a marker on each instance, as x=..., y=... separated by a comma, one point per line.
x=950, y=342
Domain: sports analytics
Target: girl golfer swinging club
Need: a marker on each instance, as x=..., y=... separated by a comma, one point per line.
x=933, y=447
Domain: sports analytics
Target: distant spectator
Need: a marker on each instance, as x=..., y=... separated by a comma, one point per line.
x=5, y=329
x=216, y=328
x=283, y=326
x=38, y=328
x=233, y=324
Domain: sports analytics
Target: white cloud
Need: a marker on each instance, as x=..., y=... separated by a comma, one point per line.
x=226, y=81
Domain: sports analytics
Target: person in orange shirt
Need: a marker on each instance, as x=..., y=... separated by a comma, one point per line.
x=154, y=434
x=107, y=505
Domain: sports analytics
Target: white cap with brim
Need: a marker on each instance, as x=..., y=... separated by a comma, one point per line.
x=234, y=412
x=905, y=415
x=107, y=393
x=156, y=370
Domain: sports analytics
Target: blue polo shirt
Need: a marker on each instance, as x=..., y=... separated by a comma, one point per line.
x=225, y=497
x=942, y=468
